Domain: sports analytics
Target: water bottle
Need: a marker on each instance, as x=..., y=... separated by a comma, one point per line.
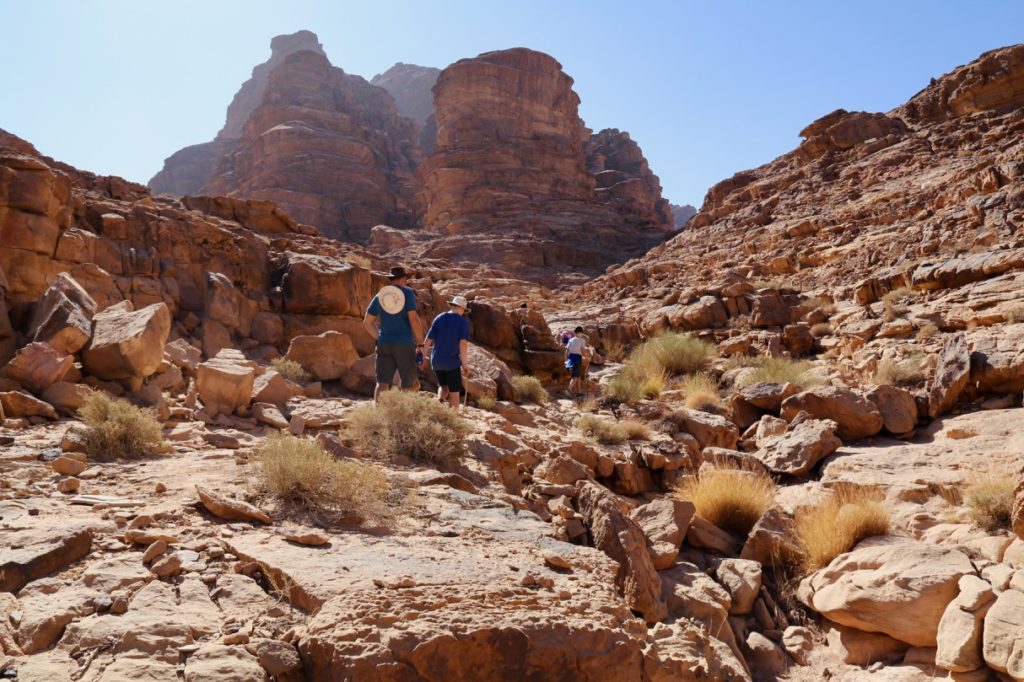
x=419, y=357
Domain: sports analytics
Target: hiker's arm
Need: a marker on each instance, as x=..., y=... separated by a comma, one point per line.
x=417, y=326
x=464, y=356
x=370, y=323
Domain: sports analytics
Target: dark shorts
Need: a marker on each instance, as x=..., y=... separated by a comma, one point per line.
x=575, y=364
x=450, y=379
x=396, y=356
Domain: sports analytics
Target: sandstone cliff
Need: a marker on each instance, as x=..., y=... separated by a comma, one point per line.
x=625, y=181
x=412, y=88
x=507, y=182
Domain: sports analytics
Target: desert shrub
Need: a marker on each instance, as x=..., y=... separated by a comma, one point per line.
x=298, y=471
x=647, y=368
x=116, y=428
x=1015, y=314
x=403, y=423
x=291, y=370
x=731, y=497
x=679, y=353
x=766, y=284
x=614, y=351
x=926, y=332
x=909, y=371
x=898, y=294
x=609, y=431
x=835, y=526
x=779, y=370
x=700, y=391
x=989, y=499
x=530, y=389
x=487, y=402
x=821, y=329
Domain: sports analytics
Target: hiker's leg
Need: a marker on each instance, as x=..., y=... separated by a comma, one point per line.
x=384, y=369
x=454, y=381
x=405, y=360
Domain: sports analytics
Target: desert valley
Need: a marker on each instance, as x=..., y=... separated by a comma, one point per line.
x=799, y=455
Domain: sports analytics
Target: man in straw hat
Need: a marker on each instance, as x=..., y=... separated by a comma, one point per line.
x=391, y=319
x=448, y=345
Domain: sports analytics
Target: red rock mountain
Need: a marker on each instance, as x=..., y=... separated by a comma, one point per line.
x=326, y=146
x=511, y=173
x=508, y=182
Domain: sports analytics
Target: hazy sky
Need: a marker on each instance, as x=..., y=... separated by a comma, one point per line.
x=706, y=88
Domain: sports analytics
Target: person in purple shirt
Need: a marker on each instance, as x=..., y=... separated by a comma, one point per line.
x=448, y=346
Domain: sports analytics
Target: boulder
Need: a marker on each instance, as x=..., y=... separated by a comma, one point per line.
x=623, y=540
x=183, y=355
x=750, y=402
x=857, y=647
x=959, y=636
x=21, y=404
x=230, y=509
x=898, y=408
x=796, y=451
x=220, y=662
x=66, y=397
x=855, y=416
x=326, y=356
x=63, y=316
x=742, y=580
x=126, y=344
x=39, y=554
x=562, y=470
x=897, y=586
x=952, y=371
x=38, y=365
x=225, y=382
x=271, y=387
x=710, y=430
x=1003, y=638
x=664, y=522
x=772, y=540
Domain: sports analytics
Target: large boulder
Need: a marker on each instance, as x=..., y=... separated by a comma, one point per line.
x=63, y=316
x=952, y=372
x=897, y=586
x=38, y=366
x=225, y=382
x=127, y=344
x=490, y=376
x=21, y=404
x=1017, y=513
x=796, y=451
x=959, y=636
x=327, y=356
x=898, y=408
x=710, y=430
x=623, y=540
x=855, y=416
x=664, y=522
x=1003, y=638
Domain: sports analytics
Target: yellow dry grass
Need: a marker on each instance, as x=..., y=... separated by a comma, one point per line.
x=989, y=499
x=731, y=497
x=610, y=432
x=117, y=429
x=530, y=389
x=837, y=524
x=408, y=424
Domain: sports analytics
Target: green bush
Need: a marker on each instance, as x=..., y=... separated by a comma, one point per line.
x=780, y=371
x=116, y=428
x=409, y=424
x=647, y=368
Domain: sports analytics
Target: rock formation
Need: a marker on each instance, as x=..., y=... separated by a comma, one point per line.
x=507, y=183
x=326, y=146
x=412, y=88
x=681, y=214
x=625, y=181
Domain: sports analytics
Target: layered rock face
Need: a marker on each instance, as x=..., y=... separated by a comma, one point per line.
x=625, y=181
x=326, y=146
x=507, y=183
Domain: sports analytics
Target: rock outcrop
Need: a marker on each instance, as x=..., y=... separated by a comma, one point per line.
x=625, y=181
x=412, y=87
x=327, y=147
x=507, y=183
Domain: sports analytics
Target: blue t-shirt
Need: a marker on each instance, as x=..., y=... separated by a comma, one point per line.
x=395, y=328
x=446, y=331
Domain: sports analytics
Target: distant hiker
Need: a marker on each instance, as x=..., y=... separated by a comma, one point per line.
x=391, y=319
x=565, y=336
x=448, y=346
x=574, y=348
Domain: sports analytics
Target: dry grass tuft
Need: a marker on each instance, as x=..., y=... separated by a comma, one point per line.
x=700, y=391
x=611, y=432
x=731, y=497
x=487, y=402
x=1015, y=314
x=646, y=370
x=117, y=429
x=780, y=371
x=530, y=389
x=821, y=329
x=989, y=499
x=291, y=370
x=909, y=371
x=298, y=471
x=835, y=526
x=408, y=424
x=614, y=351
x=926, y=332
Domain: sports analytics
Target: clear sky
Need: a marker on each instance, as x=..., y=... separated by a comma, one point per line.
x=706, y=88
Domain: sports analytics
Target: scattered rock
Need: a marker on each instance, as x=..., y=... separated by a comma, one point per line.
x=127, y=344
x=229, y=509
x=742, y=579
x=225, y=382
x=66, y=466
x=796, y=451
x=38, y=366
x=35, y=554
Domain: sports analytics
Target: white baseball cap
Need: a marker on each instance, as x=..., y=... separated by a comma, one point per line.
x=459, y=301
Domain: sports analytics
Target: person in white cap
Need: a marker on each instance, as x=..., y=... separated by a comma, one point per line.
x=448, y=346
x=392, y=321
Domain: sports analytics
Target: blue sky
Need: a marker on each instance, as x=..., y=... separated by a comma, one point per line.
x=706, y=88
